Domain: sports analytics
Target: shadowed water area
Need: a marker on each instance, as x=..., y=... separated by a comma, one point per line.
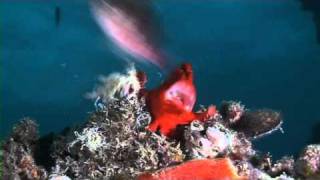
x=264, y=54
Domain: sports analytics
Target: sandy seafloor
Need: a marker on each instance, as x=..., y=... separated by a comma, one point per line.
x=263, y=53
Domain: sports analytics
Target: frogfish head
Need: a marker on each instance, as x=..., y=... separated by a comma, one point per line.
x=182, y=92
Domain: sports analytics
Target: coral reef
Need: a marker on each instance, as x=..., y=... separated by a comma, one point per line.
x=114, y=143
x=308, y=164
x=1, y=159
x=212, y=139
x=143, y=134
x=18, y=153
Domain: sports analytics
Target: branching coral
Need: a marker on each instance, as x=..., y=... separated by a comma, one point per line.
x=91, y=138
x=113, y=144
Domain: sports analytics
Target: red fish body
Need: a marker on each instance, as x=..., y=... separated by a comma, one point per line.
x=205, y=169
x=172, y=103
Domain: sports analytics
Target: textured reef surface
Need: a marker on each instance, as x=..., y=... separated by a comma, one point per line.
x=136, y=133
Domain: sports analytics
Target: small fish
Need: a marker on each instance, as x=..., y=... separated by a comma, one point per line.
x=57, y=15
x=132, y=26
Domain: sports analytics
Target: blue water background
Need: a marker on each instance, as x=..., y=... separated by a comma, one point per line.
x=262, y=53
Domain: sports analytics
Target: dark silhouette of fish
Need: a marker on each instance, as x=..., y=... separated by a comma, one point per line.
x=57, y=15
x=314, y=7
x=132, y=25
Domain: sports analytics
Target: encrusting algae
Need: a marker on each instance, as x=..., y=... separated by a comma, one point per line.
x=143, y=134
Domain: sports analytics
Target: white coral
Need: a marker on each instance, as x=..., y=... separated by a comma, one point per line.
x=216, y=140
x=58, y=177
x=91, y=138
x=236, y=110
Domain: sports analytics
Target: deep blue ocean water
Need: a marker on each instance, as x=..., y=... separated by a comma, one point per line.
x=262, y=53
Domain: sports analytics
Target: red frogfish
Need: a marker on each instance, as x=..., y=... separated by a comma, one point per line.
x=172, y=103
x=204, y=169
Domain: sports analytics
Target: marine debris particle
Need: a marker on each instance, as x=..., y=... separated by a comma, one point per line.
x=116, y=141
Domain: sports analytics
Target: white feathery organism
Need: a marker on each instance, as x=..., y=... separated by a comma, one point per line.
x=117, y=86
x=91, y=138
